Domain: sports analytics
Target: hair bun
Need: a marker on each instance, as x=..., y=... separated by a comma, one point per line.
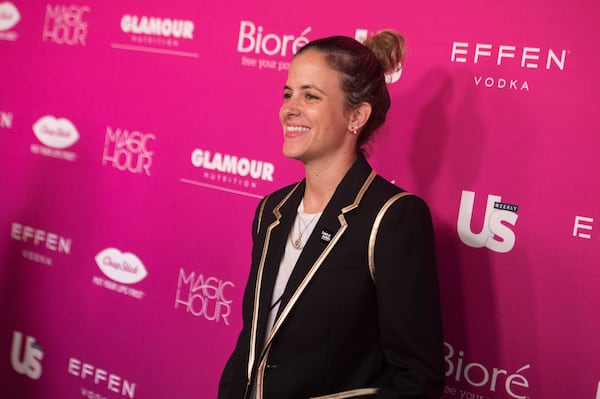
x=389, y=49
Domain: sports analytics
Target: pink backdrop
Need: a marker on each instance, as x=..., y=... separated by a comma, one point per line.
x=138, y=137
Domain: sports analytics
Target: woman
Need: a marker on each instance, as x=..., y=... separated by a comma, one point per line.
x=342, y=299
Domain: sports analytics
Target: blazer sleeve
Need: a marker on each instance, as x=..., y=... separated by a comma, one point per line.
x=408, y=302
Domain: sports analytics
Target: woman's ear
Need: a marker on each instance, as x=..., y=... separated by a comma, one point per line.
x=359, y=117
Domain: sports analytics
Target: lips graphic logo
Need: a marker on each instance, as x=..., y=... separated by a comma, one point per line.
x=123, y=267
x=9, y=15
x=55, y=132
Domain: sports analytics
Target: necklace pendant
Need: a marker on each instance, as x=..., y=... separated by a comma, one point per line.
x=297, y=243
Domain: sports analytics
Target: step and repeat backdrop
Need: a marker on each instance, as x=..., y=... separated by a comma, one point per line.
x=138, y=137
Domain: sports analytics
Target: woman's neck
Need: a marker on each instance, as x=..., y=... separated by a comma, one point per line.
x=322, y=180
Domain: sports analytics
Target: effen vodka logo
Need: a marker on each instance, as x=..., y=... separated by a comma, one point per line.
x=495, y=234
x=30, y=361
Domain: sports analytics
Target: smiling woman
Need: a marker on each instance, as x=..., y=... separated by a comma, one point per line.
x=342, y=299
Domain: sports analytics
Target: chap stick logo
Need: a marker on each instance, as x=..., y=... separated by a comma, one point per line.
x=66, y=24
x=55, y=132
x=27, y=360
x=125, y=268
x=9, y=16
x=495, y=234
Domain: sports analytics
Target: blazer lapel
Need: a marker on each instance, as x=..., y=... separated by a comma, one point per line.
x=327, y=232
x=284, y=214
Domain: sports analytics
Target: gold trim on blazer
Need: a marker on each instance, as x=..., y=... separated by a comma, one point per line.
x=260, y=213
x=349, y=394
x=375, y=229
x=259, y=279
x=288, y=307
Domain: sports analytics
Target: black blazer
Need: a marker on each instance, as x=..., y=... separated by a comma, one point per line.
x=360, y=315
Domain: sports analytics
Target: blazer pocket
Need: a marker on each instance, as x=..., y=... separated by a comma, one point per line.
x=344, y=263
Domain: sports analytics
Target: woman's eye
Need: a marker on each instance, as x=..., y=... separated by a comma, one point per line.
x=286, y=96
x=311, y=96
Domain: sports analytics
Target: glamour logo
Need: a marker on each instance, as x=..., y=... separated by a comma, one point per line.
x=126, y=150
x=55, y=132
x=494, y=234
x=66, y=24
x=6, y=120
x=480, y=376
x=232, y=164
x=101, y=377
x=125, y=268
x=203, y=296
x=253, y=39
x=361, y=35
x=164, y=27
x=9, y=17
x=29, y=360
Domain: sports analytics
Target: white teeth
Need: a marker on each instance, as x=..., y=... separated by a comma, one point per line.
x=297, y=129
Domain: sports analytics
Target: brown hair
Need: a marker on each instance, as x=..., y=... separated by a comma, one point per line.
x=363, y=68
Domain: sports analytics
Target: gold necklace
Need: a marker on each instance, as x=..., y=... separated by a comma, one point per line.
x=297, y=243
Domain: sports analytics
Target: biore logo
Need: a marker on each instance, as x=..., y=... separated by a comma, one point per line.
x=9, y=17
x=252, y=39
x=494, y=234
x=29, y=362
x=480, y=376
x=55, y=132
x=361, y=35
x=125, y=268
x=203, y=296
x=164, y=27
x=127, y=150
x=243, y=167
x=6, y=120
x=66, y=24
x=111, y=382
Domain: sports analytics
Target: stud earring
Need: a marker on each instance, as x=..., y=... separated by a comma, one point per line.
x=354, y=130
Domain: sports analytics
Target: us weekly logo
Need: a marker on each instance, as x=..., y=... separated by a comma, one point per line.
x=26, y=356
x=496, y=232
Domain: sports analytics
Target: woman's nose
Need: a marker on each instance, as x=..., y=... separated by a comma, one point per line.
x=289, y=107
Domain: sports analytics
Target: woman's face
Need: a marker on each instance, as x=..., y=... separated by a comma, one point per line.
x=315, y=124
